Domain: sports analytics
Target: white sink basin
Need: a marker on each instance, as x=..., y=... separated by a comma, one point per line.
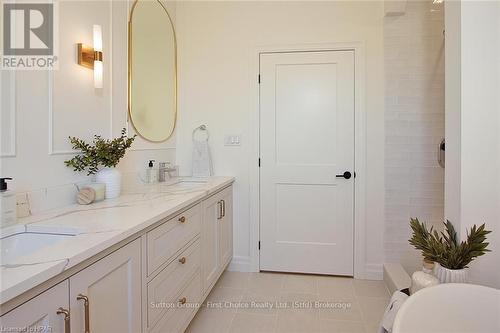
x=450, y=308
x=25, y=243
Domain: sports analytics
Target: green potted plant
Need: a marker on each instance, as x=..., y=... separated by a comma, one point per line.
x=451, y=256
x=100, y=158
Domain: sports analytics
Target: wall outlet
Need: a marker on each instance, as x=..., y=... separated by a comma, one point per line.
x=232, y=140
x=23, y=205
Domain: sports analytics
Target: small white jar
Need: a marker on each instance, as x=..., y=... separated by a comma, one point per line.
x=423, y=279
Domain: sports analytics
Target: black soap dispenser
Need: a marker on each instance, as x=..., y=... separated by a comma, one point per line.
x=3, y=184
x=151, y=175
x=8, y=213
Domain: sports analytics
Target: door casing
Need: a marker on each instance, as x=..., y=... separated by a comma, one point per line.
x=251, y=263
x=298, y=180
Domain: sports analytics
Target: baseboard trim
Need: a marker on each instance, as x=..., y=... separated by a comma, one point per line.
x=240, y=264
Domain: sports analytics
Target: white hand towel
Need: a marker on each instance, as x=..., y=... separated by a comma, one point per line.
x=202, y=163
x=397, y=299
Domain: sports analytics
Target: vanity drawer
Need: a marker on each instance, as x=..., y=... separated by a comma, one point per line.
x=177, y=318
x=169, y=238
x=165, y=287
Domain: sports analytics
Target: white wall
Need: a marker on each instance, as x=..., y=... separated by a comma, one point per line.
x=414, y=126
x=217, y=87
x=453, y=111
x=40, y=110
x=476, y=136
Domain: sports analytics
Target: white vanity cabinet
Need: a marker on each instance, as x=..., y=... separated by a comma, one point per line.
x=47, y=312
x=210, y=241
x=174, y=266
x=166, y=240
x=226, y=229
x=175, y=262
x=106, y=296
x=217, y=236
x=190, y=251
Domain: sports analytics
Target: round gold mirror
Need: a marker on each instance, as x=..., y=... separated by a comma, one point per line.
x=152, y=72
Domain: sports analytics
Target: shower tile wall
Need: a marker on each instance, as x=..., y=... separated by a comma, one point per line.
x=414, y=125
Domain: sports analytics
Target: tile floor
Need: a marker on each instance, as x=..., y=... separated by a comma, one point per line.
x=241, y=302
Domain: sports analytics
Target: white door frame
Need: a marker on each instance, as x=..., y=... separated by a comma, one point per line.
x=359, y=147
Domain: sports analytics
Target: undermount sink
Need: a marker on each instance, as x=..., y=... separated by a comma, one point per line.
x=25, y=243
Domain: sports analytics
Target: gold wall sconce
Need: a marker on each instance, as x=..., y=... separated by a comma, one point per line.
x=91, y=57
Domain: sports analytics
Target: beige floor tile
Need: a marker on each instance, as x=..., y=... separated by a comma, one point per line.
x=300, y=283
x=275, y=302
x=259, y=303
x=225, y=294
x=237, y=280
x=211, y=321
x=370, y=288
x=297, y=321
x=298, y=303
x=372, y=328
x=253, y=323
x=336, y=287
x=224, y=298
x=373, y=309
x=338, y=326
x=266, y=282
x=340, y=309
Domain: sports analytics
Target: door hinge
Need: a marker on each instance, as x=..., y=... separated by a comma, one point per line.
x=258, y=78
x=259, y=162
x=259, y=245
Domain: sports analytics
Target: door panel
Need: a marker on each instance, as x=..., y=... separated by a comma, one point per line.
x=165, y=241
x=290, y=217
x=113, y=287
x=307, y=138
x=40, y=313
x=210, y=241
x=226, y=228
x=302, y=104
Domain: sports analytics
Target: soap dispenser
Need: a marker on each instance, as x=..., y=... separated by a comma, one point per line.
x=8, y=214
x=151, y=175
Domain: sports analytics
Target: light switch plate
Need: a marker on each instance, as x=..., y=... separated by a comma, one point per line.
x=232, y=140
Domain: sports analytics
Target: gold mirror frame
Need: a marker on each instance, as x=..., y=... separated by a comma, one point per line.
x=129, y=83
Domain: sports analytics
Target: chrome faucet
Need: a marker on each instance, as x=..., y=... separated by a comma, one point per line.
x=165, y=171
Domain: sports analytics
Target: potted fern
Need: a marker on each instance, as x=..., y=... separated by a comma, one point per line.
x=451, y=256
x=100, y=158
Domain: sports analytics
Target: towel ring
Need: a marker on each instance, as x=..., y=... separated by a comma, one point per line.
x=201, y=128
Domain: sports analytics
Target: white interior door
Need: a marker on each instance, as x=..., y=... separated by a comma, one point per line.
x=306, y=140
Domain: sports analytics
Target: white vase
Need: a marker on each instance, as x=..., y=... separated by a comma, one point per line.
x=113, y=180
x=446, y=275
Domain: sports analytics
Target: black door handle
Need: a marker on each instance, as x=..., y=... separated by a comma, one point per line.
x=346, y=175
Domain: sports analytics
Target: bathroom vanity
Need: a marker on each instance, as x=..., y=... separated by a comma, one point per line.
x=139, y=263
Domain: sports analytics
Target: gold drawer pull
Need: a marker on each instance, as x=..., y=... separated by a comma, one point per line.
x=183, y=300
x=86, y=306
x=67, y=327
x=219, y=207
x=182, y=260
x=182, y=219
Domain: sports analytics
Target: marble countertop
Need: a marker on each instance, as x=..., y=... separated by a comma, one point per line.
x=96, y=227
